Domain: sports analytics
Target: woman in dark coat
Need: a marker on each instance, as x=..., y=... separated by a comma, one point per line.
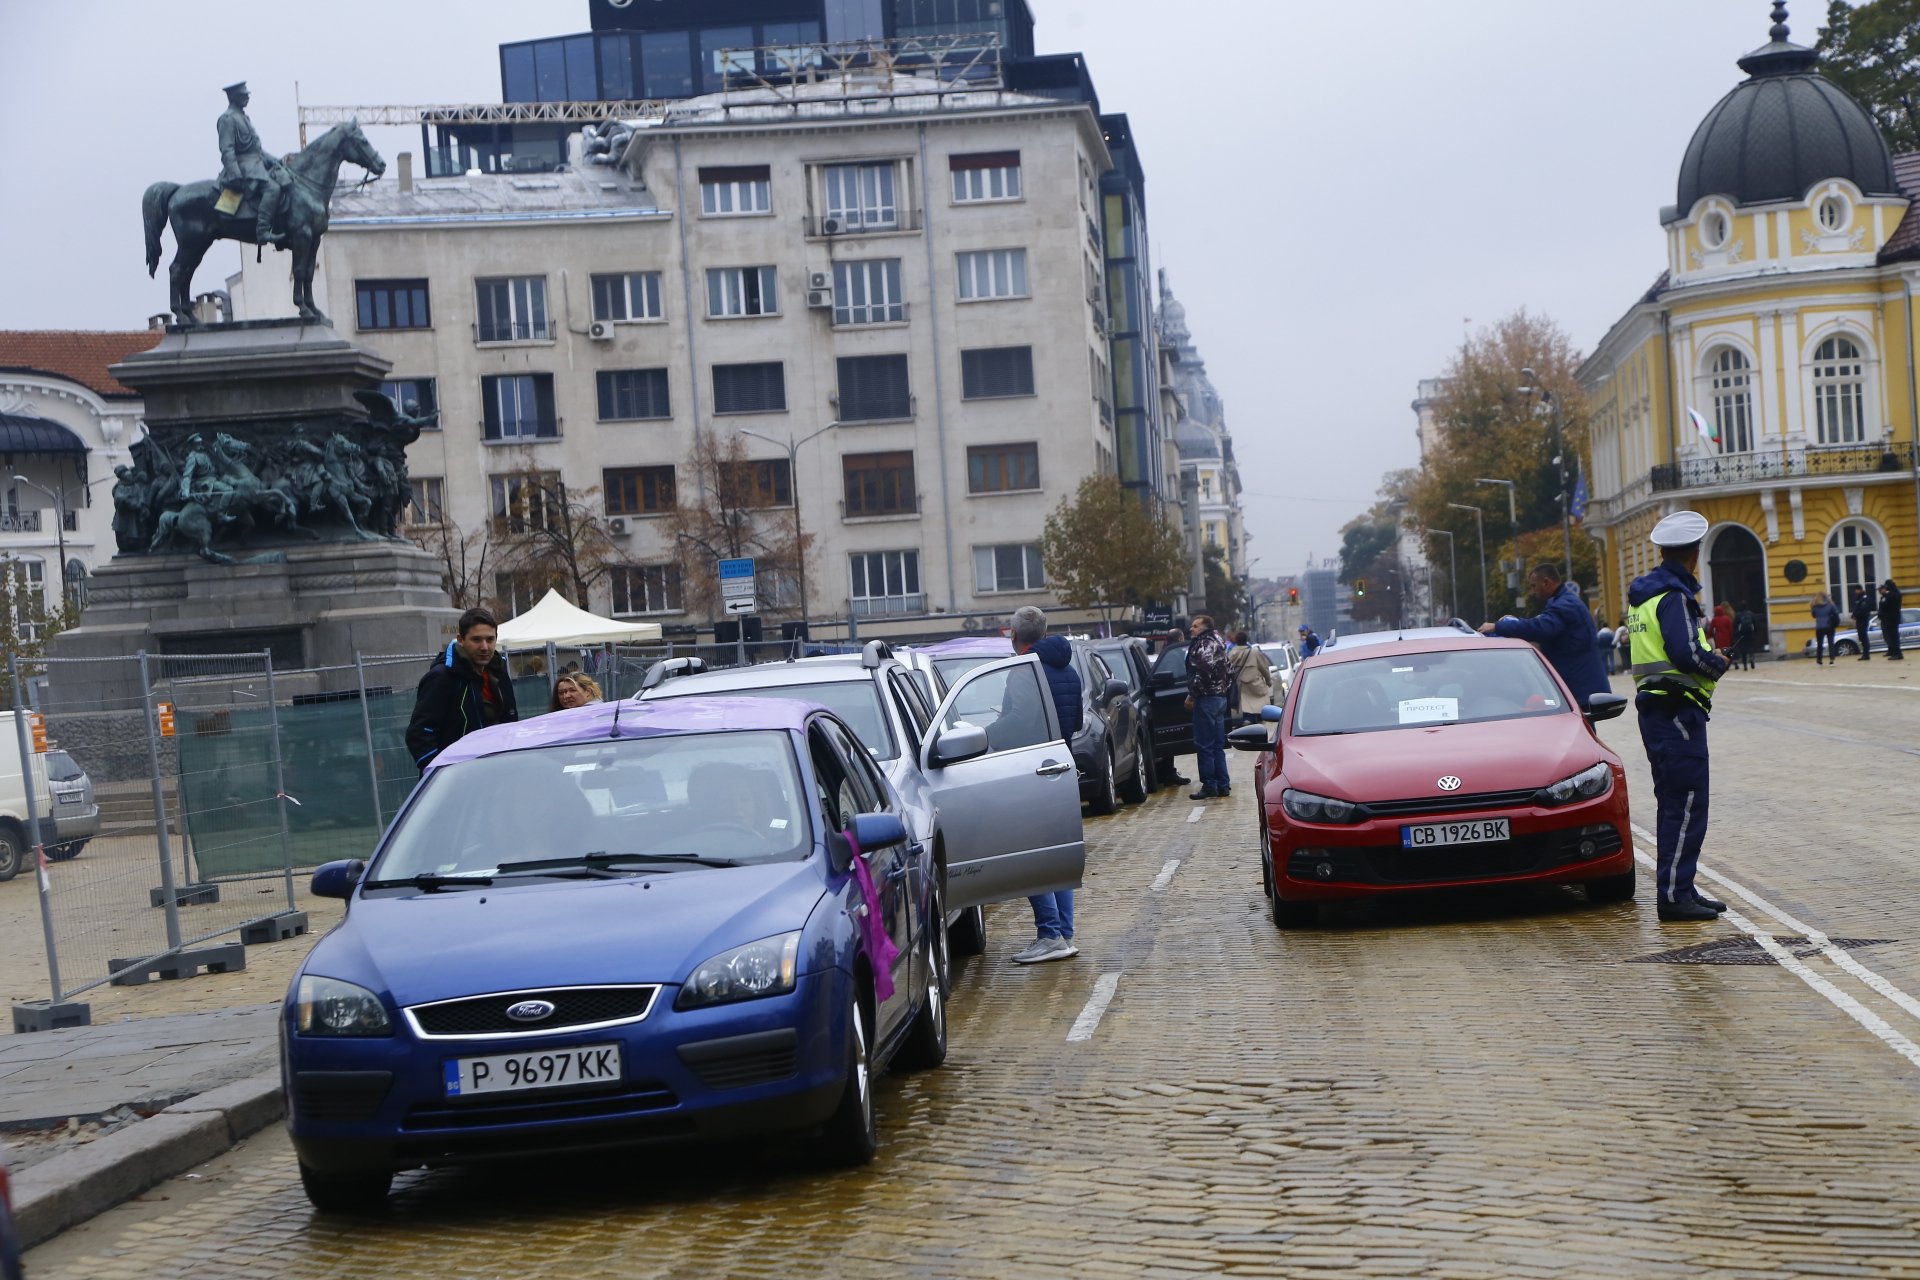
x=1862, y=611
x=1890, y=618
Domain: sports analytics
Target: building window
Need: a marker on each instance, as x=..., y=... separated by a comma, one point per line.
x=991, y=373
x=1834, y=211
x=742, y=291
x=429, y=506
x=1840, y=392
x=630, y=295
x=724, y=52
x=1732, y=379
x=985, y=175
x=519, y=406
x=886, y=582
x=992, y=273
x=740, y=189
x=644, y=588
x=757, y=483
x=750, y=388
x=637, y=491
x=417, y=398
x=519, y=590
x=862, y=195
x=1003, y=468
x=526, y=501
x=1014, y=567
x=392, y=304
x=1853, y=560
x=26, y=588
x=1715, y=227
x=867, y=292
x=874, y=389
x=879, y=484
x=512, y=309
x=633, y=395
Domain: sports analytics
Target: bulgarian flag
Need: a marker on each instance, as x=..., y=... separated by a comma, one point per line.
x=1708, y=431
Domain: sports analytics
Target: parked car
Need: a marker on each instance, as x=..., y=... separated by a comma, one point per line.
x=1172, y=718
x=633, y=922
x=1846, y=641
x=1285, y=658
x=1128, y=660
x=76, y=815
x=16, y=836
x=1434, y=758
x=947, y=661
x=983, y=856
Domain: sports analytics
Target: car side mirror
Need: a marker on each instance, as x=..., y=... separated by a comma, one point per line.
x=877, y=830
x=1114, y=689
x=959, y=741
x=1251, y=737
x=337, y=879
x=1270, y=714
x=1604, y=706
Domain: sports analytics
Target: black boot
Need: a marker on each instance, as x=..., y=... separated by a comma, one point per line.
x=1712, y=904
x=1691, y=910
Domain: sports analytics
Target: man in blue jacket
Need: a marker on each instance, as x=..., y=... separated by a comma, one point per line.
x=467, y=688
x=1563, y=630
x=1052, y=912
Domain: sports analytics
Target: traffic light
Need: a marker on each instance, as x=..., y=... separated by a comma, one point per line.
x=1293, y=595
x=1359, y=586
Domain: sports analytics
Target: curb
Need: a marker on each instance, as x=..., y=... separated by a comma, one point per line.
x=67, y=1189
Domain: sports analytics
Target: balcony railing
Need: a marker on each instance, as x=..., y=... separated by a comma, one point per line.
x=878, y=606
x=854, y=317
x=858, y=222
x=514, y=331
x=19, y=522
x=1781, y=464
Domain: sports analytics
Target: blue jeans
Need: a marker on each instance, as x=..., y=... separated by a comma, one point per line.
x=1210, y=741
x=1053, y=913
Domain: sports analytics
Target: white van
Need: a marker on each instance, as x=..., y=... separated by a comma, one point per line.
x=16, y=840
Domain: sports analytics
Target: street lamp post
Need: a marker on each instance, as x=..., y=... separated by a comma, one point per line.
x=1480, y=523
x=792, y=447
x=1453, y=585
x=1513, y=527
x=1559, y=461
x=60, y=530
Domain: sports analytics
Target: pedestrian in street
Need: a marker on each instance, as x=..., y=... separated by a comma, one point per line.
x=467, y=688
x=575, y=689
x=1675, y=669
x=1252, y=678
x=1826, y=621
x=1562, y=631
x=1052, y=912
x=1603, y=638
x=1209, y=680
x=1720, y=626
x=1622, y=639
x=1175, y=637
x=1861, y=607
x=1309, y=642
x=1890, y=599
x=1746, y=637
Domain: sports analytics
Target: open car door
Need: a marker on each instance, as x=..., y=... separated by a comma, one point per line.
x=1005, y=785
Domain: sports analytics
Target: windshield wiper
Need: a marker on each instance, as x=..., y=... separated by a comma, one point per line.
x=600, y=861
x=428, y=882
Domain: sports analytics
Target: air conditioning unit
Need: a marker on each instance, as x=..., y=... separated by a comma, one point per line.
x=617, y=526
x=831, y=226
x=600, y=331
x=820, y=298
x=819, y=280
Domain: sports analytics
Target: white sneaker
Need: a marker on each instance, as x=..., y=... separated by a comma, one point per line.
x=1064, y=950
x=1040, y=949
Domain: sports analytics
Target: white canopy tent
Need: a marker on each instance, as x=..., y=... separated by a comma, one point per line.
x=555, y=621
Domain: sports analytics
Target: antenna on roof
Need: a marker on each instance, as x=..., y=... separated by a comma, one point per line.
x=618, y=703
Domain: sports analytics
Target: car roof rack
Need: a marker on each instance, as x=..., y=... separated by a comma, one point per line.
x=667, y=668
x=873, y=653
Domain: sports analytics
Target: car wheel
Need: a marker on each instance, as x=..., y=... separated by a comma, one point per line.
x=851, y=1135
x=11, y=851
x=1104, y=800
x=1846, y=649
x=968, y=935
x=1152, y=763
x=1134, y=790
x=65, y=852
x=926, y=1045
x=357, y=1191
x=1612, y=888
x=1293, y=915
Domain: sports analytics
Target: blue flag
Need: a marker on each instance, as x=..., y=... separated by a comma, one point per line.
x=1577, y=507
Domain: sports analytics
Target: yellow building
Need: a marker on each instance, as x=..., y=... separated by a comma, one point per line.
x=1767, y=380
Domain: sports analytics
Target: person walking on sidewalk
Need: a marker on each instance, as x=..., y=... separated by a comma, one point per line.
x=1826, y=621
x=1209, y=680
x=1890, y=600
x=1252, y=678
x=1720, y=626
x=1862, y=610
x=1675, y=670
x=1746, y=637
x=1562, y=631
x=467, y=688
x=1052, y=912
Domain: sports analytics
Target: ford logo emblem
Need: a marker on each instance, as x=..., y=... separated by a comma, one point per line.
x=530, y=1010
x=1448, y=783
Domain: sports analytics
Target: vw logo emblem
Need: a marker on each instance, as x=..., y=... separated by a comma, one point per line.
x=530, y=1010
x=1448, y=783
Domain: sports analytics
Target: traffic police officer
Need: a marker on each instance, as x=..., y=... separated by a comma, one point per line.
x=1675, y=669
x=245, y=167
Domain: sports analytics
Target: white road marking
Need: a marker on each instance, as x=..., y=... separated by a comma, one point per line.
x=1811, y=934
x=1165, y=877
x=1096, y=1009
x=1845, y=684
x=1197, y=811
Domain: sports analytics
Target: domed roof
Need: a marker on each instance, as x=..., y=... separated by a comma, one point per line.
x=1782, y=130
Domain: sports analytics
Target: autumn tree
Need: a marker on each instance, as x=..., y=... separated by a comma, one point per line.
x=1873, y=52
x=27, y=624
x=729, y=506
x=548, y=534
x=1226, y=594
x=1105, y=549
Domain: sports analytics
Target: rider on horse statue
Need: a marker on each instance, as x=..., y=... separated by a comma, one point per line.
x=245, y=168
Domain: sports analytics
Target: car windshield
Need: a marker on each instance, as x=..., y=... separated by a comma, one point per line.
x=61, y=768
x=951, y=669
x=1451, y=686
x=734, y=796
x=855, y=701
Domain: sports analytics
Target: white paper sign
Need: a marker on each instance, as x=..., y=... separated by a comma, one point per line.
x=1429, y=710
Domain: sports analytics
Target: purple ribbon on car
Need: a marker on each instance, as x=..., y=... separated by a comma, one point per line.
x=873, y=925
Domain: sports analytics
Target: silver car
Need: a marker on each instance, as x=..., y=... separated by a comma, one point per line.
x=1846, y=641
x=985, y=777
x=76, y=815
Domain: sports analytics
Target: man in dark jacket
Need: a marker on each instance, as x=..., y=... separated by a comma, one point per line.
x=1209, y=681
x=467, y=688
x=1309, y=641
x=1890, y=601
x=1052, y=912
x=1861, y=607
x=1563, y=631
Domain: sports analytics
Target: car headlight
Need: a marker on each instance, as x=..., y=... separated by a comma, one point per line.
x=763, y=968
x=1584, y=785
x=330, y=1007
x=1304, y=806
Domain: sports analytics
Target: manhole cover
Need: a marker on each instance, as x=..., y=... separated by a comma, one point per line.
x=1745, y=950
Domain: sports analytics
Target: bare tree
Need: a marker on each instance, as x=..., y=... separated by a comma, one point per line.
x=465, y=559
x=552, y=536
x=728, y=506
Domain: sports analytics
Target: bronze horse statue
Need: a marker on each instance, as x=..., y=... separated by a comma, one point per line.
x=196, y=223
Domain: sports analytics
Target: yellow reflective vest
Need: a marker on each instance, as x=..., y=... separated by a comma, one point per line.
x=1653, y=669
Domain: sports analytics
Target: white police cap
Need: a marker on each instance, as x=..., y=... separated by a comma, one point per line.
x=1681, y=529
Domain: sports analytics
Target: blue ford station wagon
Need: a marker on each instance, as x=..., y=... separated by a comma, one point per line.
x=626, y=923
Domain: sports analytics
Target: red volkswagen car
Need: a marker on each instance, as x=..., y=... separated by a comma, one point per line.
x=1435, y=758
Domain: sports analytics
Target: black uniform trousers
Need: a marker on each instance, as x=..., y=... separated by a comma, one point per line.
x=1674, y=731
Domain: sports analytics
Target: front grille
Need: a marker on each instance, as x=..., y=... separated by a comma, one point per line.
x=1393, y=864
x=454, y=1146
x=1450, y=804
x=340, y=1096
x=573, y=1008
x=738, y=1061
x=643, y=1096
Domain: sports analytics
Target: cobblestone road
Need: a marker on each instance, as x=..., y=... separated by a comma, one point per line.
x=1477, y=1088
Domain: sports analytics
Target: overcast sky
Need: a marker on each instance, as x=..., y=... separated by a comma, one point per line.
x=1336, y=187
